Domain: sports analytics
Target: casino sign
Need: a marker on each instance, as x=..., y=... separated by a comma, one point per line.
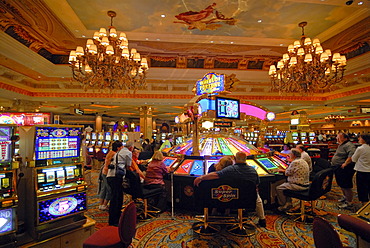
x=225, y=193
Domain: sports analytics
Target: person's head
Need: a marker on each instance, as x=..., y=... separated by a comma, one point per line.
x=286, y=147
x=117, y=145
x=135, y=152
x=129, y=145
x=300, y=147
x=240, y=157
x=342, y=137
x=158, y=155
x=364, y=139
x=224, y=162
x=147, y=140
x=294, y=154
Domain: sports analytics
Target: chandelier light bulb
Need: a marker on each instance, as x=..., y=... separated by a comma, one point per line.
x=88, y=68
x=93, y=49
x=336, y=57
x=125, y=53
x=105, y=41
x=103, y=32
x=96, y=36
x=72, y=56
x=296, y=44
x=122, y=36
x=280, y=64
x=324, y=57
x=328, y=52
x=316, y=42
x=300, y=51
x=291, y=48
x=293, y=61
x=79, y=51
x=112, y=32
x=308, y=58
x=109, y=50
x=319, y=49
x=285, y=57
x=307, y=41
x=343, y=60
x=89, y=42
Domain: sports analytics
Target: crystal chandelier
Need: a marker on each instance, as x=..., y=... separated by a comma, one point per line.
x=334, y=118
x=307, y=68
x=106, y=64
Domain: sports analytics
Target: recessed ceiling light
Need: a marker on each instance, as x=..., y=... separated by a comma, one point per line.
x=231, y=42
x=211, y=41
x=281, y=45
x=83, y=36
x=360, y=3
x=158, y=39
x=163, y=16
x=146, y=38
x=259, y=20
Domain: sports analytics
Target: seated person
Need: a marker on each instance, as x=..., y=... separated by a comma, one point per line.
x=239, y=170
x=154, y=178
x=134, y=166
x=298, y=174
x=285, y=151
x=304, y=155
x=222, y=163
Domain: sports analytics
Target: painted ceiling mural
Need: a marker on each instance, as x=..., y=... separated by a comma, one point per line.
x=263, y=18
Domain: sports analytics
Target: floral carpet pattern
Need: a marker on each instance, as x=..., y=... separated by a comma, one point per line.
x=166, y=231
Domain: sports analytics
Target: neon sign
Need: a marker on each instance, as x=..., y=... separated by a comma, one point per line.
x=211, y=83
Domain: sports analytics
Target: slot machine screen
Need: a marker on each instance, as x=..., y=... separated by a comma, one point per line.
x=7, y=221
x=265, y=162
x=91, y=149
x=227, y=108
x=184, y=167
x=88, y=136
x=311, y=134
x=49, y=178
x=57, y=208
x=295, y=134
x=303, y=134
x=104, y=150
x=93, y=136
x=106, y=144
x=279, y=162
x=57, y=142
x=198, y=168
x=99, y=143
x=100, y=136
x=5, y=146
x=169, y=161
x=108, y=136
x=209, y=163
x=252, y=163
x=115, y=136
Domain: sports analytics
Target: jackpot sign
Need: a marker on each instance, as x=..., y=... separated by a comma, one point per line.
x=211, y=83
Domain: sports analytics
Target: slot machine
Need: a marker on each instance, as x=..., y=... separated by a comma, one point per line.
x=295, y=136
x=91, y=147
x=107, y=142
x=54, y=200
x=303, y=137
x=8, y=186
x=124, y=137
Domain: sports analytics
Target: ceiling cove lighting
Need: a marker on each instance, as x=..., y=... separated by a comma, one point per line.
x=307, y=68
x=106, y=64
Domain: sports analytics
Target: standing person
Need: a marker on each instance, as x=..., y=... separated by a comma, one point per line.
x=343, y=167
x=167, y=143
x=239, y=171
x=154, y=178
x=104, y=189
x=298, y=174
x=134, y=164
x=124, y=160
x=147, y=147
x=362, y=166
x=304, y=155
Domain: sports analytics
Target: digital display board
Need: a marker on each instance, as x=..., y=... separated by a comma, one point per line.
x=6, y=184
x=265, y=162
x=57, y=177
x=227, y=108
x=209, y=163
x=184, y=167
x=211, y=83
x=25, y=119
x=197, y=169
x=5, y=146
x=56, y=208
x=7, y=220
x=93, y=136
x=108, y=136
x=57, y=142
x=279, y=162
x=294, y=121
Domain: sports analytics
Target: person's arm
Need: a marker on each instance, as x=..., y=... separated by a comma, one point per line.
x=350, y=152
x=347, y=162
x=210, y=176
x=356, y=155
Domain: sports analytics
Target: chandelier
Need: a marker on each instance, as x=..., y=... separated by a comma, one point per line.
x=334, y=118
x=106, y=64
x=307, y=68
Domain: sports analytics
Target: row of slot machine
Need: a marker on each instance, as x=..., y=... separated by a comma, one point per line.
x=304, y=137
x=274, y=139
x=44, y=194
x=251, y=137
x=187, y=168
x=101, y=142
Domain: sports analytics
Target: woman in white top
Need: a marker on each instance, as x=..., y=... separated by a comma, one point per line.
x=362, y=159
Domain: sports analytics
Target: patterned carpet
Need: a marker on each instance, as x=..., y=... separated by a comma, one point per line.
x=167, y=232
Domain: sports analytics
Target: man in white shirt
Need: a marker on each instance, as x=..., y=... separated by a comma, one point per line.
x=304, y=155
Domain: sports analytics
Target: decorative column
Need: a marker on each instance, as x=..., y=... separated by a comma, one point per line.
x=98, y=123
x=146, y=121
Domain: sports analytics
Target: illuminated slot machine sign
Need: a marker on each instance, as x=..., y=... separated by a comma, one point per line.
x=6, y=185
x=57, y=142
x=5, y=147
x=260, y=171
x=61, y=207
x=190, y=167
x=7, y=221
x=58, y=177
x=108, y=136
x=116, y=136
x=93, y=136
x=267, y=164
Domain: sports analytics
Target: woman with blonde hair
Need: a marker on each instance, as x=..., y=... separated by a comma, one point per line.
x=224, y=162
x=154, y=178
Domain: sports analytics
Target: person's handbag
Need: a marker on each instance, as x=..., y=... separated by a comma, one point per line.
x=119, y=172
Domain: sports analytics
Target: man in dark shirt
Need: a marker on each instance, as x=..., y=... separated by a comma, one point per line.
x=240, y=170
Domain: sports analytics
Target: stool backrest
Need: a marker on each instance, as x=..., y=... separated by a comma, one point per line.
x=321, y=183
x=127, y=224
x=227, y=193
x=324, y=234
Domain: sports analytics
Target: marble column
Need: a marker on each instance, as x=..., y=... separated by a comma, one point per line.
x=146, y=121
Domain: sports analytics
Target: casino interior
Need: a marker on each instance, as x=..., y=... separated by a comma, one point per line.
x=210, y=78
